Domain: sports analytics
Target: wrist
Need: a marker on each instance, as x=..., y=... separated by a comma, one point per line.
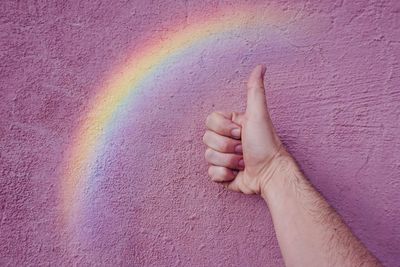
x=281, y=171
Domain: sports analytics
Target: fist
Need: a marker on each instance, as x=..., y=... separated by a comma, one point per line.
x=243, y=149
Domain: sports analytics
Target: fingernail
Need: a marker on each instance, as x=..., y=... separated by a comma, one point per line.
x=239, y=149
x=241, y=163
x=236, y=133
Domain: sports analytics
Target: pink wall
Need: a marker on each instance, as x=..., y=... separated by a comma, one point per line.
x=144, y=197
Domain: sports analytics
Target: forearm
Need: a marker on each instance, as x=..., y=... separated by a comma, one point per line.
x=309, y=231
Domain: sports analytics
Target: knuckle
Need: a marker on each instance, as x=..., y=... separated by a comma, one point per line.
x=210, y=118
x=208, y=154
x=210, y=171
x=213, y=175
x=205, y=138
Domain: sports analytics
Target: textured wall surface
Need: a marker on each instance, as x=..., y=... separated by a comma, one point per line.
x=103, y=106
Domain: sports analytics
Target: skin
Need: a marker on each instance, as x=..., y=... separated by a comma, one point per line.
x=246, y=155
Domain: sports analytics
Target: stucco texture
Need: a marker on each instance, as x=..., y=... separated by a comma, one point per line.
x=130, y=186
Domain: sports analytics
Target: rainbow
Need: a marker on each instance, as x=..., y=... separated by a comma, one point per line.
x=123, y=83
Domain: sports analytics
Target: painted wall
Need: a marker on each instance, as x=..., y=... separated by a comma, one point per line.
x=103, y=106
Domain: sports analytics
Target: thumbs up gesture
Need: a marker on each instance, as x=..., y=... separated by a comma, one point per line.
x=243, y=149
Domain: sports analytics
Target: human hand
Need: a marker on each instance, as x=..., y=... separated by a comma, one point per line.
x=243, y=149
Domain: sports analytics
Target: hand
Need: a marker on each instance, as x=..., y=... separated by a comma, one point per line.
x=243, y=149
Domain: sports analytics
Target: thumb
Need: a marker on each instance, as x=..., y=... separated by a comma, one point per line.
x=256, y=102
